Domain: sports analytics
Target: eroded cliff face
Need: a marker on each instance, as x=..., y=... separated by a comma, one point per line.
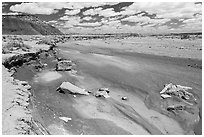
x=16, y=94
x=26, y=25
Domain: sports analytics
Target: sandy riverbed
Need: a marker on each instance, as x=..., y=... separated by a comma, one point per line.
x=118, y=66
x=133, y=72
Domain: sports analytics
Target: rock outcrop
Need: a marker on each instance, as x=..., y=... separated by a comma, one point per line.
x=18, y=60
x=64, y=65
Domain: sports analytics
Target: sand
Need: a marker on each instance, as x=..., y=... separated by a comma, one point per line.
x=145, y=74
x=50, y=76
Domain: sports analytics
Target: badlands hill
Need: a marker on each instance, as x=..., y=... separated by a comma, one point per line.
x=26, y=25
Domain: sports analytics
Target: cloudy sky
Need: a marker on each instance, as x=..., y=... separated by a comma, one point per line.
x=114, y=17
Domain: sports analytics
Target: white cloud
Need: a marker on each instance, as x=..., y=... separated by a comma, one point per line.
x=80, y=5
x=108, y=12
x=92, y=11
x=104, y=20
x=87, y=18
x=192, y=21
x=168, y=9
x=164, y=12
x=142, y=20
x=158, y=21
x=136, y=19
x=53, y=7
x=71, y=21
x=90, y=24
x=72, y=12
x=64, y=18
x=52, y=21
x=114, y=23
x=32, y=8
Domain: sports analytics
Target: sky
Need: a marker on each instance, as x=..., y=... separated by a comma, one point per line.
x=114, y=17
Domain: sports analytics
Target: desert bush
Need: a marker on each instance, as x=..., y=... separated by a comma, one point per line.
x=185, y=36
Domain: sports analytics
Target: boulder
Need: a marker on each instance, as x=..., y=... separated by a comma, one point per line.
x=104, y=89
x=66, y=119
x=24, y=83
x=64, y=65
x=165, y=96
x=28, y=87
x=175, y=107
x=69, y=87
x=176, y=90
x=124, y=98
x=102, y=92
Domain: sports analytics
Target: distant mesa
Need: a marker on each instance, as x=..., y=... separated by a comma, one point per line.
x=25, y=24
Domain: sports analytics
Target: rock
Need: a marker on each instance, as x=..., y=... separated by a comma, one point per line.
x=45, y=64
x=60, y=90
x=178, y=107
x=166, y=88
x=124, y=98
x=181, y=47
x=183, y=87
x=28, y=87
x=69, y=87
x=66, y=119
x=165, y=96
x=102, y=92
x=177, y=90
x=104, y=89
x=64, y=65
x=24, y=83
x=38, y=66
x=59, y=59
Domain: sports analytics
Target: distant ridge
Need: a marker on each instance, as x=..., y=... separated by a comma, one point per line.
x=25, y=24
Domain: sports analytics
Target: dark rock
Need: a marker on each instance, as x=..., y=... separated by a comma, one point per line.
x=102, y=92
x=124, y=98
x=60, y=90
x=179, y=107
x=64, y=65
x=19, y=60
x=59, y=59
x=104, y=89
